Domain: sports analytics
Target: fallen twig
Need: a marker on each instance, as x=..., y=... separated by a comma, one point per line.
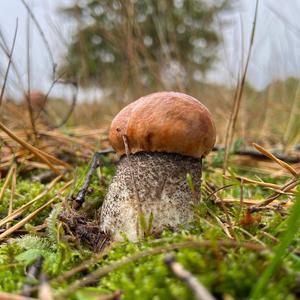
x=33, y=273
x=45, y=292
x=43, y=177
x=79, y=198
x=200, y=292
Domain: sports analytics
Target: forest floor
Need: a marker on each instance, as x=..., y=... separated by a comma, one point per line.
x=237, y=248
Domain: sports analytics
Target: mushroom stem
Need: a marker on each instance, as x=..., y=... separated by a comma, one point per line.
x=164, y=193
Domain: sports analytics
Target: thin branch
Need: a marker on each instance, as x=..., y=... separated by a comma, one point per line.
x=80, y=197
x=40, y=30
x=214, y=191
x=5, y=49
x=73, y=104
x=9, y=62
x=37, y=115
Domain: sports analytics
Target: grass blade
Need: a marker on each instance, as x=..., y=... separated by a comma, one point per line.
x=285, y=241
x=238, y=97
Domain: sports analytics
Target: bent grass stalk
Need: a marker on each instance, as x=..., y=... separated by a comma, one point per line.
x=283, y=164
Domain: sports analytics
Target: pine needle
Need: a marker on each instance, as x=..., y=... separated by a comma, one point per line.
x=7, y=180
x=283, y=164
x=40, y=154
x=17, y=226
x=23, y=208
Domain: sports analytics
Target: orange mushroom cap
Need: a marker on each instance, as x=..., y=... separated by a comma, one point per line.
x=164, y=122
x=37, y=100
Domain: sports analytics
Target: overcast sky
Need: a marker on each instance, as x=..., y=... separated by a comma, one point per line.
x=276, y=51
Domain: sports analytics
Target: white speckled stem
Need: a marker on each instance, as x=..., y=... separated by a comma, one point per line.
x=160, y=179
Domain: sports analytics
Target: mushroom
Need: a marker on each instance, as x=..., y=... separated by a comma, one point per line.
x=37, y=100
x=160, y=138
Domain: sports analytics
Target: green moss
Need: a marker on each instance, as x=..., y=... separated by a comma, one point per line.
x=224, y=271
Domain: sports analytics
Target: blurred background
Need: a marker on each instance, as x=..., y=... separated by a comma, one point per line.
x=92, y=57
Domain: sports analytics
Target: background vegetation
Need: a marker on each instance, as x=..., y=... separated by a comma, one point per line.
x=147, y=45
